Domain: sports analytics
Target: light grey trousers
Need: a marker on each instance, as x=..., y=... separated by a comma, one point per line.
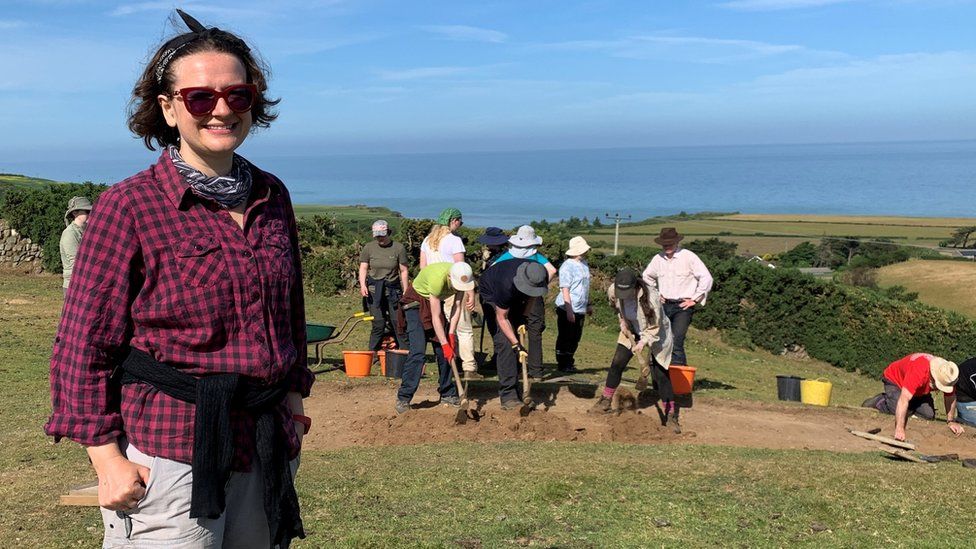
x=162, y=517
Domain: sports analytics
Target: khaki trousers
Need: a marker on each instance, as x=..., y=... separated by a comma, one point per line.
x=465, y=335
x=162, y=517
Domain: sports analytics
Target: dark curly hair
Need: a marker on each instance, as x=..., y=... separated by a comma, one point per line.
x=145, y=114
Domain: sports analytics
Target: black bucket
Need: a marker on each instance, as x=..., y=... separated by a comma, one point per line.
x=788, y=388
x=395, y=358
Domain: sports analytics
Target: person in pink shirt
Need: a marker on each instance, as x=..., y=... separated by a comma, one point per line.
x=683, y=282
x=908, y=384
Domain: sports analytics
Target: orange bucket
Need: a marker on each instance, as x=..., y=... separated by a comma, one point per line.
x=358, y=363
x=382, y=355
x=682, y=378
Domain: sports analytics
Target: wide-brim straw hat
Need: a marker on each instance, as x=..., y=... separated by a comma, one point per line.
x=668, y=236
x=577, y=246
x=945, y=373
x=532, y=279
x=525, y=237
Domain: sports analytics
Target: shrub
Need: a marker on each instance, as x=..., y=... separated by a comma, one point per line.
x=849, y=327
x=38, y=214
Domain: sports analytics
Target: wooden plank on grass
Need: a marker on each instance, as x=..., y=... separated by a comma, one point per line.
x=82, y=496
x=884, y=440
x=902, y=454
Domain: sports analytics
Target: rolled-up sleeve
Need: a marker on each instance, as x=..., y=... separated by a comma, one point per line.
x=300, y=377
x=95, y=327
x=704, y=278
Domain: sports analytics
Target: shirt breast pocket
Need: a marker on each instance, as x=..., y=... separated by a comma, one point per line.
x=200, y=260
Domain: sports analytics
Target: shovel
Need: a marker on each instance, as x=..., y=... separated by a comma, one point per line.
x=462, y=414
x=524, y=360
x=645, y=366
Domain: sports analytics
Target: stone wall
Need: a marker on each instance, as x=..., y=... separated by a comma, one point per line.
x=18, y=252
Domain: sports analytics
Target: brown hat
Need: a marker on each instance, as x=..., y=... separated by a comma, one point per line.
x=668, y=236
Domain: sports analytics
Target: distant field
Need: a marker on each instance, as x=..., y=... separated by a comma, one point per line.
x=760, y=234
x=946, y=284
x=358, y=212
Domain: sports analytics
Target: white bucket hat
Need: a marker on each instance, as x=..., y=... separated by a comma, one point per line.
x=944, y=372
x=577, y=246
x=525, y=237
x=462, y=278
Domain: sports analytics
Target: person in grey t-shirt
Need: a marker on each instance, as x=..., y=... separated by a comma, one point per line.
x=382, y=278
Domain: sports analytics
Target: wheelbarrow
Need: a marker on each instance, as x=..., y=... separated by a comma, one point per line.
x=321, y=335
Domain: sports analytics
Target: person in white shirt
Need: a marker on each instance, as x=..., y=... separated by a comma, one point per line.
x=683, y=282
x=443, y=246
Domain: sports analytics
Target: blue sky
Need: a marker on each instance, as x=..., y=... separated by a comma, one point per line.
x=380, y=76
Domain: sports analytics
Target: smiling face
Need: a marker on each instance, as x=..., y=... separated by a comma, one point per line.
x=207, y=142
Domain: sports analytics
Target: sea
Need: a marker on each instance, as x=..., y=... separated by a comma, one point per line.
x=510, y=188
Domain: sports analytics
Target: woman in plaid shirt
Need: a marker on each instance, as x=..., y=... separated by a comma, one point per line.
x=180, y=360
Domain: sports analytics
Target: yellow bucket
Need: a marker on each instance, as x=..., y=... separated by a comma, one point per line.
x=816, y=392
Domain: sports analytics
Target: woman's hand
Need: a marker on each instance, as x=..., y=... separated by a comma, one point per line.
x=469, y=300
x=899, y=434
x=956, y=428
x=363, y=291
x=121, y=483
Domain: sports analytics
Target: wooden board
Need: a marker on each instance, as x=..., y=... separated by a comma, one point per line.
x=884, y=440
x=82, y=496
x=902, y=454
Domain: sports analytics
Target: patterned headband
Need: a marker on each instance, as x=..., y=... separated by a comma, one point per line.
x=197, y=31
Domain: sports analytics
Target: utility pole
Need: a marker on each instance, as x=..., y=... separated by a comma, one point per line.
x=616, y=218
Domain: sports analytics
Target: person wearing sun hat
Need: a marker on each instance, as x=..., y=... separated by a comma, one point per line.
x=572, y=303
x=908, y=384
x=511, y=289
x=383, y=274
x=425, y=320
x=683, y=282
x=524, y=244
x=75, y=219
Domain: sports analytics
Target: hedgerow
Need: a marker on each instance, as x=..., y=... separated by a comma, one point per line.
x=38, y=214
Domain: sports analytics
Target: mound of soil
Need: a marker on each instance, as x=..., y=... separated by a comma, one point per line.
x=361, y=414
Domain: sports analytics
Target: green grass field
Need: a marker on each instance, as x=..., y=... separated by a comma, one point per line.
x=761, y=234
x=515, y=494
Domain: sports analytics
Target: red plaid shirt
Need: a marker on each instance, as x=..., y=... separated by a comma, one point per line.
x=169, y=273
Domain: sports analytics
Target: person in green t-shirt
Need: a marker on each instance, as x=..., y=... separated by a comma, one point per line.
x=423, y=311
x=382, y=277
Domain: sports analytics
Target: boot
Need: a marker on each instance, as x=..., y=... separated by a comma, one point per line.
x=601, y=406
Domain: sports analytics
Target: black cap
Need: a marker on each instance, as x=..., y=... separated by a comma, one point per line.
x=625, y=284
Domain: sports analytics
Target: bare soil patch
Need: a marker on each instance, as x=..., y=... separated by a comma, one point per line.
x=361, y=414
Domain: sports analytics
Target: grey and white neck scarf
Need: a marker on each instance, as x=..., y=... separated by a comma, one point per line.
x=227, y=190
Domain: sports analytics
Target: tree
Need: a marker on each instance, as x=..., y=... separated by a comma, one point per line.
x=960, y=237
x=713, y=248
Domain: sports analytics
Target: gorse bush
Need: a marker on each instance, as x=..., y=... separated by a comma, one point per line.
x=848, y=327
x=38, y=214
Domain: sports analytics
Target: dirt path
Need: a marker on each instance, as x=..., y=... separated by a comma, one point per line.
x=356, y=414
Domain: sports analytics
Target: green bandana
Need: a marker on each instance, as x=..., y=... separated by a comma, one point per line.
x=447, y=215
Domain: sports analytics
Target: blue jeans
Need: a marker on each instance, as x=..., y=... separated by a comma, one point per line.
x=410, y=377
x=966, y=412
x=680, y=320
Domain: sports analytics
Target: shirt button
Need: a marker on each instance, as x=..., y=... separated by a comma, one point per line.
x=246, y=253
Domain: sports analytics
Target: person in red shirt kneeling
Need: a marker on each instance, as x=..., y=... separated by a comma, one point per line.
x=908, y=384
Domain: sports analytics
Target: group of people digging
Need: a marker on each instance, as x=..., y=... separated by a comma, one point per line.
x=654, y=309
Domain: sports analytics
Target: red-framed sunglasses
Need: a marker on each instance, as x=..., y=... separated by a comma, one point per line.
x=202, y=101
